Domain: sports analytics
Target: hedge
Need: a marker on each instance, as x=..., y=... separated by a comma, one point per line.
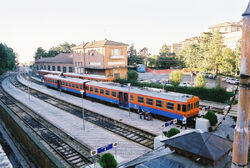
x=211, y=94
x=172, y=132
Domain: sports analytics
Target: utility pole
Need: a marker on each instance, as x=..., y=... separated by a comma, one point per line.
x=241, y=133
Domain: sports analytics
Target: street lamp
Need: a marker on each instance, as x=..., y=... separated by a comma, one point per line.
x=82, y=91
x=129, y=84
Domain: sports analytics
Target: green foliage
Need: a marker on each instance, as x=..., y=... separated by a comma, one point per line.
x=210, y=115
x=107, y=160
x=53, y=51
x=228, y=137
x=172, y=132
x=190, y=55
x=228, y=64
x=203, y=93
x=200, y=81
x=235, y=102
x=132, y=75
x=175, y=78
x=7, y=58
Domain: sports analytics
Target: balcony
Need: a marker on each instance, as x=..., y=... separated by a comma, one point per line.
x=117, y=57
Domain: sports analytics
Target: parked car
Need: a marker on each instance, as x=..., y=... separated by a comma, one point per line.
x=188, y=84
x=233, y=81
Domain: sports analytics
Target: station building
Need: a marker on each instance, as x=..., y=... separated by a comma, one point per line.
x=62, y=62
x=106, y=57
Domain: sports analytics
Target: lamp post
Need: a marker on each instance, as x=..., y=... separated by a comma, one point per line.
x=83, y=117
x=129, y=84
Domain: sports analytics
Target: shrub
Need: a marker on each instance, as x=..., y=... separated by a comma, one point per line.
x=132, y=75
x=175, y=78
x=107, y=160
x=200, y=81
x=211, y=117
x=235, y=102
x=172, y=132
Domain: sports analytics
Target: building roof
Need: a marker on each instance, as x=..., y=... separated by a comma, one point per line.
x=62, y=58
x=103, y=43
x=205, y=145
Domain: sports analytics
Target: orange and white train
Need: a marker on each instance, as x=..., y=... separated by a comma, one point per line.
x=167, y=104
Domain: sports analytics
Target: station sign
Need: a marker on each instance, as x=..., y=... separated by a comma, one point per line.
x=103, y=149
x=171, y=122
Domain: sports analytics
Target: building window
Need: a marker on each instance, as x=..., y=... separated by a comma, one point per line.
x=41, y=67
x=114, y=94
x=53, y=68
x=70, y=69
x=107, y=92
x=64, y=69
x=170, y=106
x=37, y=67
x=117, y=75
x=58, y=68
x=140, y=99
x=116, y=52
x=44, y=67
x=158, y=103
x=149, y=101
x=49, y=67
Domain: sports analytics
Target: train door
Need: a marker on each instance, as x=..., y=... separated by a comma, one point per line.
x=125, y=99
x=120, y=96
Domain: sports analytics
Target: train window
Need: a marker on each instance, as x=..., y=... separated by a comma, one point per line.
x=140, y=99
x=114, y=94
x=170, y=106
x=101, y=91
x=184, y=108
x=192, y=107
x=69, y=84
x=96, y=90
x=149, y=101
x=81, y=87
x=62, y=83
x=158, y=103
x=197, y=104
x=66, y=83
x=73, y=85
x=107, y=92
x=178, y=107
x=77, y=86
x=188, y=107
x=131, y=97
x=91, y=89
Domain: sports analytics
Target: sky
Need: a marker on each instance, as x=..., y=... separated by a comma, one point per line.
x=28, y=24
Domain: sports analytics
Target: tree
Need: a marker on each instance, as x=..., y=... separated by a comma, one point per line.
x=40, y=52
x=175, y=78
x=172, y=132
x=210, y=115
x=144, y=54
x=132, y=76
x=190, y=55
x=200, y=80
x=107, y=160
x=7, y=58
x=228, y=61
x=164, y=51
x=152, y=61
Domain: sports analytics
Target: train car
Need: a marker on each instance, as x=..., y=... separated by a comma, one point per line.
x=98, y=78
x=73, y=85
x=167, y=104
x=45, y=72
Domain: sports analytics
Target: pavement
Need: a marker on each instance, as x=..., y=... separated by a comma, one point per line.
x=93, y=135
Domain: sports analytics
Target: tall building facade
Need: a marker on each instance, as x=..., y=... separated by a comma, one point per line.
x=104, y=57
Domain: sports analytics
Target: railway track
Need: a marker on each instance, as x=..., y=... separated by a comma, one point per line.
x=129, y=132
x=68, y=153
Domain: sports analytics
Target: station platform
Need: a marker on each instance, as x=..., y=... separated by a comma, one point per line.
x=93, y=135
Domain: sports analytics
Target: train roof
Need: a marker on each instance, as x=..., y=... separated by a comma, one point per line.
x=144, y=91
x=87, y=75
x=56, y=72
x=76, y=80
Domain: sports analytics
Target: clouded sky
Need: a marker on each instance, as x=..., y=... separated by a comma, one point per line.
x=28, y=24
